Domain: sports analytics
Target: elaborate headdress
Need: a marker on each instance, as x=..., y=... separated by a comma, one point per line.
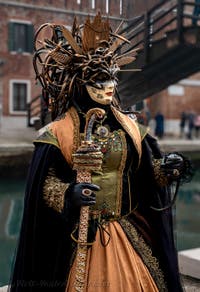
x=67, y=60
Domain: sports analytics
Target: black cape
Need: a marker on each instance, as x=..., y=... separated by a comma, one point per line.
x=45, y=250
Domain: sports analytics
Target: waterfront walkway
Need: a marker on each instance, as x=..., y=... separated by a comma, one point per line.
x=16, y=134
x=13, y=137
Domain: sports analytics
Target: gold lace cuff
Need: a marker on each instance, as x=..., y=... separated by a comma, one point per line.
x=160, y=176
x=54, y=191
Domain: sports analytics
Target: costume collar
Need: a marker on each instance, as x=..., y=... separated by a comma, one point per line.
x=66, y=132
x=131, y=127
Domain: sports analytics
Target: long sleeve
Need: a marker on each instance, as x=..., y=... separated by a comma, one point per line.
x=54, y=191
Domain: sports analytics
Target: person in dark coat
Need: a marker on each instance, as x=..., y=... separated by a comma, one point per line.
x=196, y=12
x=159, y=128
x=183, y=122
x=191, y=117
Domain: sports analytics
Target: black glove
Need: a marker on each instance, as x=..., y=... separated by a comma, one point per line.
x=81, y=194
x=174, y=166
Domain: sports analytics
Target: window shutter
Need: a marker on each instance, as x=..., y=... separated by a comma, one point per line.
x=11, y=36
x=30, y=38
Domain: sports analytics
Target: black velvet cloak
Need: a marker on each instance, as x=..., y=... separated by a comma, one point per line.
x=45, y=250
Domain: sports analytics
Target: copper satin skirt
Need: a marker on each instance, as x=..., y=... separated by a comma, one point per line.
x=114, y=268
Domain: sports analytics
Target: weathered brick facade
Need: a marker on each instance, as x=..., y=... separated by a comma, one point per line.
x=18, y=66
x=172, y=104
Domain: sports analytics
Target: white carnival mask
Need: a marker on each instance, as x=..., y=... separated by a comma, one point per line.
x=103, y=92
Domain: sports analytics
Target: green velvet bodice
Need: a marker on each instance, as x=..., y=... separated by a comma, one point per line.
x=108, y=199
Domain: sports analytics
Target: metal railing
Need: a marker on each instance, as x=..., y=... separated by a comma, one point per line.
x=143, y=31
x=36, y=111
x=156, y=23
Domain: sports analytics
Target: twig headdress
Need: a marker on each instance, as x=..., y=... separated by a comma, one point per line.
x=70, y=59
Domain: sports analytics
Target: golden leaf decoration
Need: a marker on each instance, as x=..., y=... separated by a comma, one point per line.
x=59, y=57
x=95, y=32
x=68, y=36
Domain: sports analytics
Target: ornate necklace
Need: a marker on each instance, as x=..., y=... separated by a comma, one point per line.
x=107, y=140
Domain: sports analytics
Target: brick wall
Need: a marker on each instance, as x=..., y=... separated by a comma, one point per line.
x=171, y=105
x=19, y=66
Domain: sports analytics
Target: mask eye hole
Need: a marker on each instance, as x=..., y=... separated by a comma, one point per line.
x=102, y=77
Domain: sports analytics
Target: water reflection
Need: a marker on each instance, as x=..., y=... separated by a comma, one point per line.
x=188, y=215
x=11, y=205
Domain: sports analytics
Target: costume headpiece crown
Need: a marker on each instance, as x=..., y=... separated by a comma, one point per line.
x=69, y=59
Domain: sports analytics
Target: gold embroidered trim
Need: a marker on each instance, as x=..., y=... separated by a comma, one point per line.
x=47, y=137
x=54, y=191
x=145, y=253
x=120, y=171
x=129, y=188
x=131, y=128
x=76, y=135
x=160, y=176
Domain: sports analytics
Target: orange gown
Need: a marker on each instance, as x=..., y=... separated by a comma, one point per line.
x=115, y=267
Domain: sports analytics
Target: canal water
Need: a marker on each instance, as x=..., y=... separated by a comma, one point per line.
x=11, y=204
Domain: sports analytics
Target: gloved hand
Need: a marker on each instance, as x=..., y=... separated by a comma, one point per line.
x=173, y=165
x=81, y=194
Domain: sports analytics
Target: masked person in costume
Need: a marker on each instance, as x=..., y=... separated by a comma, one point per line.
x=130, y=244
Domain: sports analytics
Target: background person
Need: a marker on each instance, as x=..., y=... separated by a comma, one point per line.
x=183, y=122
x=196, y=12
x=191, y=116
x=159, y=127
x=197, y=125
